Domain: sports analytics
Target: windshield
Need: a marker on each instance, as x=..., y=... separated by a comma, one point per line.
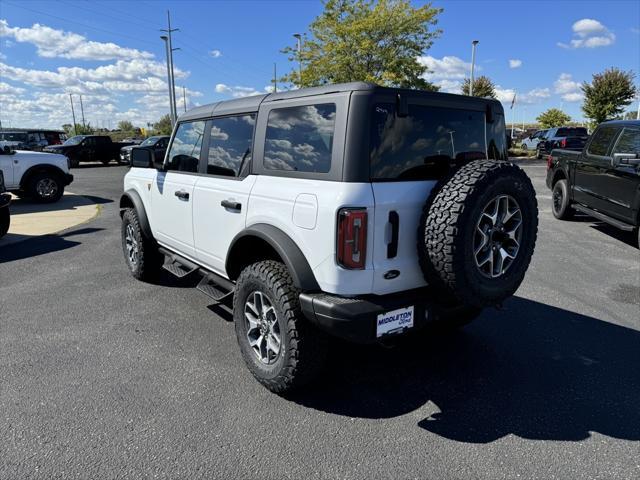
x=75, y=140
x=14, y=136
x=149, y=141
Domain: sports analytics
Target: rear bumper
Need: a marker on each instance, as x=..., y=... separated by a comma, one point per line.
x=5, y=200
x=68, y=178
x=355, y=319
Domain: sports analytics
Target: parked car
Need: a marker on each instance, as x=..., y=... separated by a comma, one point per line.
x=31, y=139
x=42, y=176
x=157, y=143
x=531, y=142
x=5, y=215
x=133, y=140
x=278, y=204
x=88, y=148
x=568, y=138
x=602, y=180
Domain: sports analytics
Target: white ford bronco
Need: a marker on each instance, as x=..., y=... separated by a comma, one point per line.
x=349, y=210
x=41, y=176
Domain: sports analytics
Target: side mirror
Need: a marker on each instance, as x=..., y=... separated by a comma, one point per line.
x=626, y=159
x=142, y=158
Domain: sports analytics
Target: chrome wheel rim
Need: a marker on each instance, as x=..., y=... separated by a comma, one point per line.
x=131, y=244
x=263, y=330
x=46, y=187
x=497, y=236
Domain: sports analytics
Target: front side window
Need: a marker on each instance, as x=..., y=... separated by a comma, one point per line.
x=629, y=141
x=230, y=145
x=601, y=140
x=423, y=144
x=300, y=138
x=184, y=155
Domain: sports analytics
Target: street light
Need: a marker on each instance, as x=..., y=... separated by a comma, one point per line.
x=298, y=37
x=473, y=62
x=172, y=112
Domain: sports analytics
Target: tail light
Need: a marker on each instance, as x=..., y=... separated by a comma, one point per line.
x=549, y=162
x=563, y=143
x=352, y=238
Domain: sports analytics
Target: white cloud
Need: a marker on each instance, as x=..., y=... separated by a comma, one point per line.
x=215, y=53
x=589, y=33
x=447, y=72
x=51, y=43
x=515, y=63
x=536, y=95
x=568, y=88
x=238, y=91
x=6, y=89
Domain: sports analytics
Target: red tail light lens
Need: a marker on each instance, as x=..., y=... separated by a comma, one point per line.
x=549, y=162
x=352, y=238
x=563, y=142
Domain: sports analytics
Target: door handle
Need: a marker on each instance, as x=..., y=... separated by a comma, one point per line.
x=182, y=195
x=231, y=205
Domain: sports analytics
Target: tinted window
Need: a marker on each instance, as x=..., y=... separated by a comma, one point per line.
x=601, y=140
x=185, y=149
x=230, y=145
x=300, y=138
x=571, y=132
x=629, y=141
x=426, y=142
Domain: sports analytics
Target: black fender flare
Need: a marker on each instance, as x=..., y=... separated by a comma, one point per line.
x=286, y=248
x=41, y=167
x=133, y=197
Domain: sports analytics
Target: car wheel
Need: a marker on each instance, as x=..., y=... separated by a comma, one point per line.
x=45, y=187
x=538, y=153
x=281, y=348
x=560, y=205
x=106, y=161
x=74, y=162
x=523, y=147
x=141, y=254
x=5, y=221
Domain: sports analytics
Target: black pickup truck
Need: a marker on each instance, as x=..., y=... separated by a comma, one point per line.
x=602, y=180
x=568, y=138
x=88, y=148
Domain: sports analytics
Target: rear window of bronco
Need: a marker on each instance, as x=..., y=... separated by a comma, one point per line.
x=425, y=143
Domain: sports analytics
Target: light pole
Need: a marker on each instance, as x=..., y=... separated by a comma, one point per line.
x=75, y=129
x=298, y=37
x=473, y=62
x=172, y=112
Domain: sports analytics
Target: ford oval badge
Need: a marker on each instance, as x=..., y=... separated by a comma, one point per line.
x=391, y=274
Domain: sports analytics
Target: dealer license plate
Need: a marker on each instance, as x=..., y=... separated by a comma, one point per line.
x=394, y=320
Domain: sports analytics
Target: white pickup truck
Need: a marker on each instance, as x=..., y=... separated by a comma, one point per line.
x=39, y=175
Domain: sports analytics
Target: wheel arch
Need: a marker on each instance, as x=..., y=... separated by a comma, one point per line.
x=559, y=174
x=266, y=242
x=40, y=168
x=132, y=199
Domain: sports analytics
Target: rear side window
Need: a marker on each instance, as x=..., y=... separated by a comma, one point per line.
x=572, y=132
x=425, y=143
x=629, y=141
x=601, y=140
x=230, y=145
x=300, y=138
x=184, y=155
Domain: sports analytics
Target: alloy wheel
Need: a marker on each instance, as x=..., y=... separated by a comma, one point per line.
x=131, y=244
x=263, y=330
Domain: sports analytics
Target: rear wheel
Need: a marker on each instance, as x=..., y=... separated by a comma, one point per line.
x=281, y=349
x=560, y=205
x=45, y=187
x=5, y=221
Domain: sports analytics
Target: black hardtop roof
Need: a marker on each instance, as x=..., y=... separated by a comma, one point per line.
x=629, y=123
x=252, y=103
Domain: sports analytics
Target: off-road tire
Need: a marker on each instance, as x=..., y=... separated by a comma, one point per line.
x=448, y=225
x=303, y=348
x=149, y=259
x=32, y=187
x=561, y=206
x=5, y=221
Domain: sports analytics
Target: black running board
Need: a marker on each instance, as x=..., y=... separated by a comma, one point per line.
x=211, y=284
x=603, y=218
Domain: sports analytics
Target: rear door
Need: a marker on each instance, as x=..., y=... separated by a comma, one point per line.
x=173, y=191
x=6, y=165
x=624, y=178
x=408, y=155
x=221, y=196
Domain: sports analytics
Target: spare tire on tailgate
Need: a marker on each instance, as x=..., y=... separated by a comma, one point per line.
x=477, y=233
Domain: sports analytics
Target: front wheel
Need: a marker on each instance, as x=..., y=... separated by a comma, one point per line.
x=141, y=254
x=45, y=187
x=560, y=205
x=281, y=349
x=5, y=221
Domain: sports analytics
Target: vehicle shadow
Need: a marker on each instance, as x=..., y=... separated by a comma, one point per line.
x=25, y=205
x=630, y=238
x=530, y=370
x=41, y=244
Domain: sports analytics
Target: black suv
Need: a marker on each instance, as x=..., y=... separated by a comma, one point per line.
x=569, y=138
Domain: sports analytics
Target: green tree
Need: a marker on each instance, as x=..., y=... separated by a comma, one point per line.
x=366, y=40
x=631, y=115
x=125, y=126
x=607, y=96
x=553, y=117
x=79, y=129
x=482, y=87
x=163, y=126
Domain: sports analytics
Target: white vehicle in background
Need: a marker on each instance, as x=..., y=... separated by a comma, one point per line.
x=531, y=142
x=41, y=176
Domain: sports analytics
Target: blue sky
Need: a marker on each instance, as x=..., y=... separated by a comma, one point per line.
x=111, y=53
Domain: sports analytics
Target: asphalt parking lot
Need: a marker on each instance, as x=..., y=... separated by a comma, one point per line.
x=104, y=376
